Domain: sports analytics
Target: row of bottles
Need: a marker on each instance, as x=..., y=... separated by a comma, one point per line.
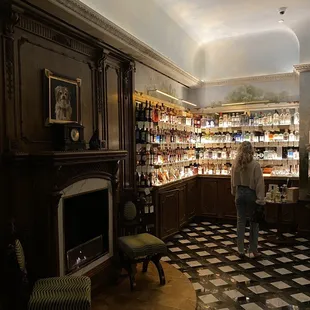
x=284, y=117
x=256, y=136
x=151, y=115
x=159, y=135
x=152, y=155
x=260, y=153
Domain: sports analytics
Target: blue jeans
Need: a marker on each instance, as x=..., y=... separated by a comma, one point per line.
x=245, y=203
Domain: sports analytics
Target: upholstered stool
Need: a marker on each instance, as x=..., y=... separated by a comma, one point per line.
x=136, y=248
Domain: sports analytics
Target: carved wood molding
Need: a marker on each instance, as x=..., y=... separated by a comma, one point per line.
x=10, y=19
x=249, y=79
x=55, y=36
x=108, y=27
x=302, y=68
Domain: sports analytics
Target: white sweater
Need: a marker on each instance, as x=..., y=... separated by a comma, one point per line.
x=251, y=176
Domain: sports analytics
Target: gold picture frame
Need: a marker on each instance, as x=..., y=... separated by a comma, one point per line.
x=62, y=98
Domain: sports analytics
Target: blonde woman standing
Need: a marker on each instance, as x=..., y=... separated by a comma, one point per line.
x=247, y=185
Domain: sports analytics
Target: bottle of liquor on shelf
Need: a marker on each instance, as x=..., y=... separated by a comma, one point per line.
x=149, y=114
x=287, y=117
x=275, y=118
x=291, y=137
x=155, y=115
x=137, y=132
x=137, y=111
x=221, y=120
x=286, y=136
x=143, y=135
x=296, y=117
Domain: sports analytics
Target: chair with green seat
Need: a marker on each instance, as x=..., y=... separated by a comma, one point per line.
x=138, y=246
x=58, y=293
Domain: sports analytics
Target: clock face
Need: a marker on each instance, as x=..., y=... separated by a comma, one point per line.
x=75, y=134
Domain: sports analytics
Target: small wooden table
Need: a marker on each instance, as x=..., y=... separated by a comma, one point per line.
x=279, y=238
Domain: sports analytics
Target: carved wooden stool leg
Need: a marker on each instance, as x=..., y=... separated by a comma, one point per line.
x=156, y=261
x=132, y=270
x=145, y=265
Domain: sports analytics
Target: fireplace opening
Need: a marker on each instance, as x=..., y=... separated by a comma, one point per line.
x=86, y=228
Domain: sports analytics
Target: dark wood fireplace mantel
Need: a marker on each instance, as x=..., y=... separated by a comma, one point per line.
x=38, y=180
x=69, y=158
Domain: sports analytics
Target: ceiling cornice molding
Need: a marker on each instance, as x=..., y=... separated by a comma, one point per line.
x=302, y=68
x=247, y=79
x=143, y=50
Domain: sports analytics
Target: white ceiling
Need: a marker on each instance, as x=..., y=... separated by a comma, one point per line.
x=208, y=20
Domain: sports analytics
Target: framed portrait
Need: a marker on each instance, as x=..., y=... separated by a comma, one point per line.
x=62, y=98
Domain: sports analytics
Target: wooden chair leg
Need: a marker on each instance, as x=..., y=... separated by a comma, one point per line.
x=156, y=261
x=132, y=270
x=145, y=265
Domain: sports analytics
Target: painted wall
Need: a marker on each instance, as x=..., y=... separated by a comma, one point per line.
x=302, y=32
x=247, y=90
x=149, y=23
x=147, y=79
x=250, y=55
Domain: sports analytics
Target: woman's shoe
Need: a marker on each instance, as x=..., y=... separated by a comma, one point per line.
x=241, y=255
x=255, y=255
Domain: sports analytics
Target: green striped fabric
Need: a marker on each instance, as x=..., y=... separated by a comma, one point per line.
x=20, y=256
x=141, y=245
x=62, y=293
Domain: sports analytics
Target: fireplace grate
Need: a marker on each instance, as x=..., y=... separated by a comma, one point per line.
x=84, y=253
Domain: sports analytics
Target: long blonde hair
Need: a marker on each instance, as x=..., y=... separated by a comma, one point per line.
x=244, y=155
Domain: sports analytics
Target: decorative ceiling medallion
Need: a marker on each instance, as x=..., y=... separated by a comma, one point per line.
x=257, y=78
x=108, y=27
x=302, y=68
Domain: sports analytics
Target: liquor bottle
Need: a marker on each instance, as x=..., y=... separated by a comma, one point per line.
x=251, y=120
x=137, y=134
x=286, y=135
x=256, y=120
x=296, y=117
x=291, y=137
x=142, y=180
x=237, y=119
x=225, y=120
x=296, y=135
x=147, y=136
x=275, y=118
x=143, y=135
x=137, y=111
x=155, y=115
x=282, y=118
x=149, y=113
x=137, y=178
x=221, y=120
x=287, y=117
x=269, y=119
x=229, y=121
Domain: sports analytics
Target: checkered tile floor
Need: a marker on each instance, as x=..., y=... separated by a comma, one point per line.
x=206, y=254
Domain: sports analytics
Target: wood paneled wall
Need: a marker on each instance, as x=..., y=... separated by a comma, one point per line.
x=32, y=40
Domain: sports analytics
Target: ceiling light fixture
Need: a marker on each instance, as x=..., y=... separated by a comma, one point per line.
x=187, y=102
x=163, y=93
x=243, y=103
x=172, y=97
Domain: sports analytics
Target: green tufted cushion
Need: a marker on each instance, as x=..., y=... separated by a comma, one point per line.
x=62, y=293
x=130, y=211
x=141, y=245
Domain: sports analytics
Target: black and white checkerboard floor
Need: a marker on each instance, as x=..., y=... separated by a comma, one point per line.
x=206, y=254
